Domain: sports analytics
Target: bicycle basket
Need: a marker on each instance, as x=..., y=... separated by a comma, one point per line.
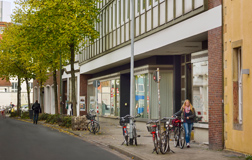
x=88, y=116
x=150, y=128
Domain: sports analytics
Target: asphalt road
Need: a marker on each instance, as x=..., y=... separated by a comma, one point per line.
x=26, y=141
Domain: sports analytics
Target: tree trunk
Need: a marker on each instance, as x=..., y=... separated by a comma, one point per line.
x=73, y=79
x=28, y=92
x=41, y=97
x=55, y=91
x=18, y=97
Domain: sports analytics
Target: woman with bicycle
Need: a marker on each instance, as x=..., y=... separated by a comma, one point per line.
x=187, y=113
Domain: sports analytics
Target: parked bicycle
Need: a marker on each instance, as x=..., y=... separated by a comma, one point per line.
x=179, y=132
x=93, y=126
x=154, y=130
x=165, y=136
x=123, y=122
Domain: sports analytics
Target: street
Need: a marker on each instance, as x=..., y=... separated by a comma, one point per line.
x=26, y=141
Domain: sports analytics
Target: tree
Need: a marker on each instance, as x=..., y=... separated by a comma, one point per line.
x=15, y=59
x=67, y=26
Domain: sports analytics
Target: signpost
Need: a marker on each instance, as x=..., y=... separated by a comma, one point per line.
x=156, y=77
x=96, y=84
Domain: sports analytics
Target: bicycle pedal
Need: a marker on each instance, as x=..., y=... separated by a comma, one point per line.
x=138, y=135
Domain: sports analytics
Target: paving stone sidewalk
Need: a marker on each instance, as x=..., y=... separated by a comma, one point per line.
x=111, y=136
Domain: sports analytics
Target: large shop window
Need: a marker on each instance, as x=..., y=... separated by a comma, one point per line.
x=108, y=97
x=142, y=95
x=200, y=84
x=166, y=95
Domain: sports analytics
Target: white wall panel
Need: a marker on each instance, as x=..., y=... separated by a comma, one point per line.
x=142, y=23
x=198, y=3
x=179, y=8
x=162, y=13
x=118, y=36
x=149, y=20
x=170, y=9
x=127, y=31
x=155, y=17
x=122, y=34
x=137, y=26
x=188, y=6
x=114, y=38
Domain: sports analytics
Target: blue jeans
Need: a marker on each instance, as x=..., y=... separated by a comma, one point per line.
x=188, y=130
x=35, y=117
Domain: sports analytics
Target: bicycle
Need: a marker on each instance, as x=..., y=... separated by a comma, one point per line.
x=154, y=130
x=165, y=136
x=123, y=123
x=179, y=132
x=93, y=126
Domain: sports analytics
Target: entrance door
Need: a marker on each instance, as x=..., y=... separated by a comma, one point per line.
x=64, y=96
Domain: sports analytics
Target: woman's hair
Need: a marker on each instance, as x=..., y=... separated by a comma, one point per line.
x=184, y=104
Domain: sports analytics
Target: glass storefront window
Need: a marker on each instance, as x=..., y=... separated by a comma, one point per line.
x=108, y=97
x=200, y=89
x=142, y=95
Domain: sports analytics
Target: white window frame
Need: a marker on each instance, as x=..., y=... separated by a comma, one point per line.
x=118, y=10
x=127, y=10
x=141, y=7
x=136, y=7
x=114, y=15
x=122, y=11
x=156, y=2
x=240, y=89
x=148, y=4
x=15, y=89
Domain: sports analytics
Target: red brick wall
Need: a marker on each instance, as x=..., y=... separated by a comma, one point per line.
x=83, y=89
x=215, y=90
x=214, y=3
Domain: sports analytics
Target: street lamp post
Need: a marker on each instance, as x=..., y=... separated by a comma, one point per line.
x=132, y=80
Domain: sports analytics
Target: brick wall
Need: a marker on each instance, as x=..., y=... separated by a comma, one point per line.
x=83, y=89
x=214, y=3
x=215, y=91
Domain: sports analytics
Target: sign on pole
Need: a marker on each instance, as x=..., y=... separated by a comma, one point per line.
x=96, y=84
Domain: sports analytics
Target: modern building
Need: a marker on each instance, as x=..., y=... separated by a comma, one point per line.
x=181, y=38
x=5, y=11
x=237, y=75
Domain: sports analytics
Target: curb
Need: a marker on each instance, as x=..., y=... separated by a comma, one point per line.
x=112, y=147
x=125, y=152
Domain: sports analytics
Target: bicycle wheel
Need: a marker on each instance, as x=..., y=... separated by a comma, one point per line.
x=155, y=142
x=135, y=136
x=164, y=142
x=182, y=138
x=97, y=126
x=176, y=137
x=126, y=137
x=89, y=127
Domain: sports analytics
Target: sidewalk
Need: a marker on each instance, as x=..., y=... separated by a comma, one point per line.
x=111, y=136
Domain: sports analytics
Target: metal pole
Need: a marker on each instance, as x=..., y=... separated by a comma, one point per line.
x=158, y=83
x=132, y=80
x=96, y=101
x=61, y=106
x=159, y=108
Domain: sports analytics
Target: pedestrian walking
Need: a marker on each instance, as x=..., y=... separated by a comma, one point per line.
x=36, y=110
x=187, y=112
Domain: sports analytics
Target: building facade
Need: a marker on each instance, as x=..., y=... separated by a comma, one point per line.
x=48, y=94
x=8, y=92
x=237, y=75
x=5, y=11
x=181, y=38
